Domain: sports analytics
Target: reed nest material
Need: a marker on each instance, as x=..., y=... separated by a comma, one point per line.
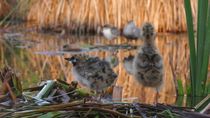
x=4, y=8
x=78, y=109
x=166, y=15
x=13, y=12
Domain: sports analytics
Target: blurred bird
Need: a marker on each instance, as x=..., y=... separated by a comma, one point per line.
x=110, y=32
x=112, y=59
x=128, y=64
x=68, y=47
x=92, y=72
x=148, y=63
x=131, y=31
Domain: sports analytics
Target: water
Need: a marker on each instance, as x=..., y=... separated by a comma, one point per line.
x=37, y=57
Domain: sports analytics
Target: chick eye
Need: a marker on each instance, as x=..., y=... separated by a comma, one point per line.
x=156, y=58
x=151, y=28
x=75, y=59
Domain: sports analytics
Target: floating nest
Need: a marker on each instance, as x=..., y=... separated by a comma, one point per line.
x=82, y=109
x=56, y=99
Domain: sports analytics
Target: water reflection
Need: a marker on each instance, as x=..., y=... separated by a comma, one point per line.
x=45, y=60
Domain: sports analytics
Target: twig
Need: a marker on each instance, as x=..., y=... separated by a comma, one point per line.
x=174, y=75
x=51, y=108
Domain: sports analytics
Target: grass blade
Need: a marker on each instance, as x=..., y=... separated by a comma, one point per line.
x=201, y=31
x=189, y=18
x=204, y=69
x=202, y=13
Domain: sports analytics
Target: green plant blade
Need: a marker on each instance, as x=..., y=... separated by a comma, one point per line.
x=202, y=13
x=201, y=44
x=180, y=86
x=189, y=18
x=204, y=69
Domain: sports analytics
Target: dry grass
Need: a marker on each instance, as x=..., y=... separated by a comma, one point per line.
x=4, y=8
x=80, y=109
x=167, y=15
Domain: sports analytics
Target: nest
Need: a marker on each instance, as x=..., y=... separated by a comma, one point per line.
x=59, y=99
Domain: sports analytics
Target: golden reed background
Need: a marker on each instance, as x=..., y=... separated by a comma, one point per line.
x=166, y=15
x=31, y=66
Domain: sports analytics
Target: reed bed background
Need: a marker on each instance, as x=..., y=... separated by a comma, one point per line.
x=87, y=15
x=166, y=15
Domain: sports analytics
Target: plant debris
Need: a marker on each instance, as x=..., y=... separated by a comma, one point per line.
x=56, y=98
x=11, y=89
x=80, y=108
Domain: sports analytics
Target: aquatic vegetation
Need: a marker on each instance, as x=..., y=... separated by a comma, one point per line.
x=199, y=46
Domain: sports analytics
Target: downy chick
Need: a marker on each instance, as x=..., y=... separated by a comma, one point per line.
x=148, y=63
x=92, y=72
x=112, y=59
x=128, y=64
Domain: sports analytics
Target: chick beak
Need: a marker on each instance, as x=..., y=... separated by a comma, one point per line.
x=68, y=59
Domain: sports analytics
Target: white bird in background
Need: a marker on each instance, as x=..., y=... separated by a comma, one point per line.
x=110, y=32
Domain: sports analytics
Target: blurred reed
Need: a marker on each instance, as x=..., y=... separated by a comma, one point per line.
x=168, y=15
x=87, y=15
x=13, y=11
x=4, y=8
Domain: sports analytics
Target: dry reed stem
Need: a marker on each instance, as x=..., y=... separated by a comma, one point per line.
x=166, y=15
x=4, y=8
x=75, y=106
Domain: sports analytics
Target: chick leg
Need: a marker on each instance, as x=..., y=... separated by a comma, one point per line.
x=156, y=97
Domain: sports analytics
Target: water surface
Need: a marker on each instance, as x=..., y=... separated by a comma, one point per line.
x=40, y=57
